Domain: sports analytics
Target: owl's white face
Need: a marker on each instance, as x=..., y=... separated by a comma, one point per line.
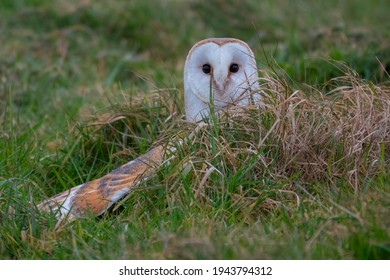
x=224, y=69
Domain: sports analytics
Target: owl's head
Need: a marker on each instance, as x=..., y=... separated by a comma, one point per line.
x=222, y=69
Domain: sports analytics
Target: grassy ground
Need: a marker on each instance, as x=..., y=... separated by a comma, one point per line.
x=86, y=87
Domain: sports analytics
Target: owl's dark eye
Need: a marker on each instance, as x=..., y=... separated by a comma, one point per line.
x=234, y=68
x=206, y=68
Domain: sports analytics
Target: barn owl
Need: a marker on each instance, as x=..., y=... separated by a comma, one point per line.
x=217, y=72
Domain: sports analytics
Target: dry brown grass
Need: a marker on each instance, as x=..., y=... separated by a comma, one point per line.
x=315, y=136
x=343, y=133
x=337, y=133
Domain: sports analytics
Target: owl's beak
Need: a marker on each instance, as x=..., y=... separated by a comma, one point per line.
x=220, y=87
x=220, y=79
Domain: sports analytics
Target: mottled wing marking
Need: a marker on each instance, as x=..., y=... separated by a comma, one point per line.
x=98, y=195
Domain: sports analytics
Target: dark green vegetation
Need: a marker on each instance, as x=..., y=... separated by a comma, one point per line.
x=88, y=85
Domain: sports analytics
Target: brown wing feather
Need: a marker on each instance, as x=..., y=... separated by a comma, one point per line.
x=98, y=195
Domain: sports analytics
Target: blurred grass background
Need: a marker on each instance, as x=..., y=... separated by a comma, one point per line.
x=62, y=62
x=47, y=44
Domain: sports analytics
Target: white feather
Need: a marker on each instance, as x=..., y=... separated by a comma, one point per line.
x=225, y=87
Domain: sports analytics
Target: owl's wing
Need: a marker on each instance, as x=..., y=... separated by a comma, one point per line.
x=98, y=195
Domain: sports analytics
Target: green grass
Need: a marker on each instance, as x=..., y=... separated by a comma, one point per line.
x=86, y=87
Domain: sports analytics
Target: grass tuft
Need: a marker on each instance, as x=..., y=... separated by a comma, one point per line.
x=86, y=86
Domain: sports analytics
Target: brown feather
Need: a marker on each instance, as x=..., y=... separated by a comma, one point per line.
x=98, y=195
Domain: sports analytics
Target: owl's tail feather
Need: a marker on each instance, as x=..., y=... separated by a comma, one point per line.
x=98, y=195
